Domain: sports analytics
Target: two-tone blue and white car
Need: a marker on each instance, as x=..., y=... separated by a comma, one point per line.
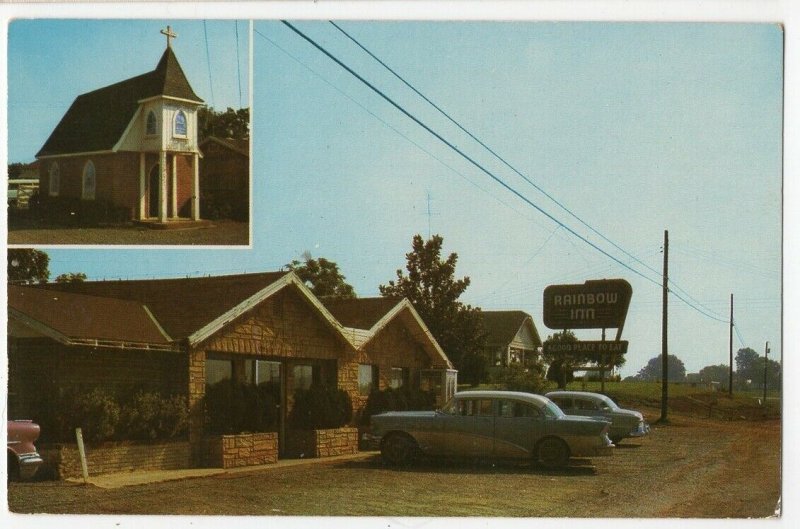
x=624, y=423
x=491, y=424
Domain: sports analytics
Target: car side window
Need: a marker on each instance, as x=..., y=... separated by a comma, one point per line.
x=562, y=403
x=587, y=405
x=484, y=408
x=512, y=408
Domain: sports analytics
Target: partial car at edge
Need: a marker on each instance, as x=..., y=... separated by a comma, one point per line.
x=491, y=424
x=624, y=423
x=23, y=458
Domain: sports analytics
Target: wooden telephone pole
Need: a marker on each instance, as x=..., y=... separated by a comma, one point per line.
x=664, y=354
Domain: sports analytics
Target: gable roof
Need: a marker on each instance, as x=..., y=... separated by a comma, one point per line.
x=80, y=319
x=365, y=318
x=237, y=145
x=182, y=306
x=503, y=325
x=96, y=120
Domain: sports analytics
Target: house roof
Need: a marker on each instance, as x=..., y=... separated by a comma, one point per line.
x=367, y=317
x=184, y=306
x=76, y=318
x=96, y=120
x=241, y=146
x=360, y=313
x=503, y=325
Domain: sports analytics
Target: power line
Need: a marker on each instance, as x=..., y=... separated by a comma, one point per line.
x=705, y=310
x=238, y=66
x=492, y=151
x=208, y=62
x=460, y=152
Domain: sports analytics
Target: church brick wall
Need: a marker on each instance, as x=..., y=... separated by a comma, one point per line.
x=184, y=176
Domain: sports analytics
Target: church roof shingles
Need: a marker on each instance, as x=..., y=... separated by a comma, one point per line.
x=96, y=120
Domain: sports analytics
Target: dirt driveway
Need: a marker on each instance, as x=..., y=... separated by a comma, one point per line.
x=690, y=468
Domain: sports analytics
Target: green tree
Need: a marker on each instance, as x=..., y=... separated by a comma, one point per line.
x=676, y=371
x=431, y=287
x=26, y=266
x=558, y=370
x=719, y=373
x=71, y=277
x=231, y=124
x=322, y=277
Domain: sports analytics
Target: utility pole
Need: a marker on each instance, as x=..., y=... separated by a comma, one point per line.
x=664, y=361
x=730, y=353
x=766, y=365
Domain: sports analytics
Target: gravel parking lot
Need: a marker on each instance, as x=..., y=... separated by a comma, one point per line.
x=689, y=468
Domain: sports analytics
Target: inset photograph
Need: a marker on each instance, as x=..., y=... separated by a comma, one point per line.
x=128, y=132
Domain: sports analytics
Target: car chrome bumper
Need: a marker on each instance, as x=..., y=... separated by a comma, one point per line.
x=639, y=431
x=29, y=464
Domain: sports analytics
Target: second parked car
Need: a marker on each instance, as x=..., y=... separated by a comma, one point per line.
x=492, y=424
x=23, y=459
x=624, y=423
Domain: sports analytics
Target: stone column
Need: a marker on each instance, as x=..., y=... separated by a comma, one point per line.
x=174, y=185
x=142, y=187
x=196, y=392
x=196, y=187
x=162, y=187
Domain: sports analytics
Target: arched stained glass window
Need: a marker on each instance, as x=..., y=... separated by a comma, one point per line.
x=180, y=123
x=151, y=123
x=89, y=181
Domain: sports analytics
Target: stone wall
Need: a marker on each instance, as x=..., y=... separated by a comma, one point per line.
x=64, y=459
x=322, y=443
x=230, y=451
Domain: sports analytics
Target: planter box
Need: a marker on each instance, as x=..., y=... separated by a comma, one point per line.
x=64, y=461
x=242, y=450
x=322, y=443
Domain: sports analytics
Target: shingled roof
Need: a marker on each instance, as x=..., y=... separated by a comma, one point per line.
x=360, y=313
x=75, y=318
x=96, y=120
x=182, y=306
x=503, y=325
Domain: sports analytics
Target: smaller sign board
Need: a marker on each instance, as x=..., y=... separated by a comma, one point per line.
x=592, y=349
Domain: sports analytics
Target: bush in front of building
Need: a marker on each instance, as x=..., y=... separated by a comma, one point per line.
x=103, y=416
x=518, y=378
x=320, y=407
x=399, y=399
x=233, y=407
x=68, y=211
x=148, y=416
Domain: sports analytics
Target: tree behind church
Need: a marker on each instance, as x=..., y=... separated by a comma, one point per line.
x=432, y=289
x=231, y=124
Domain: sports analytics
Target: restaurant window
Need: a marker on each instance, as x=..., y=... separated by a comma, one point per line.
x=262, y=371
x=367, y=378
x=303, y=376
x=218, y=370
x=398, y=377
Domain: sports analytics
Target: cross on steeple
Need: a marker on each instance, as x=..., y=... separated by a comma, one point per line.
x=170, y=35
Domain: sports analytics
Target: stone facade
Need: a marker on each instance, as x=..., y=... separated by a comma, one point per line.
x=231, y=451
x=322, y=443
x=64, y=459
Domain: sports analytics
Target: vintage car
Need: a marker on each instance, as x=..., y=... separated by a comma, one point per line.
x=624, y=423
x=491, y=424
x=23, y=459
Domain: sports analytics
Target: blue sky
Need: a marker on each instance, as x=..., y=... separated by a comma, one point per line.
x=636, y=128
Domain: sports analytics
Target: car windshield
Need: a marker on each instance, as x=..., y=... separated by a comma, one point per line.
x=550, y=409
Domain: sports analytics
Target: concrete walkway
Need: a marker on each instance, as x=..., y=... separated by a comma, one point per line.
x=143, y=477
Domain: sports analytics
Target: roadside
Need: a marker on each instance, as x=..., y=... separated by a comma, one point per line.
x=692, y=467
